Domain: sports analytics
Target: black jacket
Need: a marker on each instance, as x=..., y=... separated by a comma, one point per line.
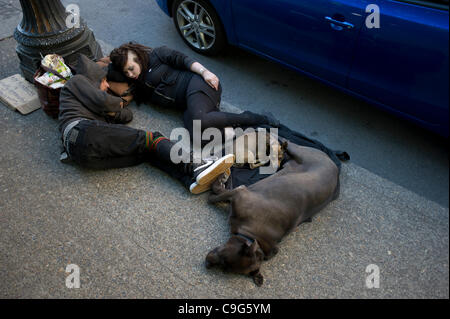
x=166, y=79
x=81, y=97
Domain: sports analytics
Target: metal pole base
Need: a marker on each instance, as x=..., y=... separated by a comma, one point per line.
x=43, y=31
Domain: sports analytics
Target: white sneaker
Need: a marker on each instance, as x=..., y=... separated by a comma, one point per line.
x=196, y=188
x=208, y=171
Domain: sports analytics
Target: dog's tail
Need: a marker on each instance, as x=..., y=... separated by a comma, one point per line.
x=225, y=196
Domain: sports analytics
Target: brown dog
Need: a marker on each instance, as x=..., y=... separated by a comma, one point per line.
x=246, y=150
x=263, y=213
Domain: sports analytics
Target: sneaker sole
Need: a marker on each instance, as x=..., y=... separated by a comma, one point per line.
x=211, y=173
x=198, y=189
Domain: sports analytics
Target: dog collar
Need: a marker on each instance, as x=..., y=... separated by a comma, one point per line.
x=251, y=240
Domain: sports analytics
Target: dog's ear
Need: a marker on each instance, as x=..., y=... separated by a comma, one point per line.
x=254, y=247
x=258, y=279
x=284, y=146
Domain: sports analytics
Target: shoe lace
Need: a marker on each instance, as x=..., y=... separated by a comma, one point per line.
x=210, y=159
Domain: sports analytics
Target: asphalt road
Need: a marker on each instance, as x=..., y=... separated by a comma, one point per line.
x=379, y=142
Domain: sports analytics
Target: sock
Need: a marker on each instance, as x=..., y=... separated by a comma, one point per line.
x=153, y=139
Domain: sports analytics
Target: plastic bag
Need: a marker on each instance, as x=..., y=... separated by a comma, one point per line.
x=57, y=71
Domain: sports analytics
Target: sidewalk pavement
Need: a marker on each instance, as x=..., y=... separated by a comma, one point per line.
x=137, y=233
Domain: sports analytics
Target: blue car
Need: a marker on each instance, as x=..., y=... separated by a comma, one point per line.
x=391, y=53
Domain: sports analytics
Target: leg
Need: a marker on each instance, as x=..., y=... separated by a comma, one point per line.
x=201, y=107
x=161, y=160
x=271, y=253
x=100, y=145
x=218, y=187
x=203, y=104
x=197, y=177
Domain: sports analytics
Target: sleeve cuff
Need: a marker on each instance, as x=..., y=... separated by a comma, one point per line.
x=188, y=62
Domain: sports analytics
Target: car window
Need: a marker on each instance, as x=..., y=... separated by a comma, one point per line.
x=437, y=4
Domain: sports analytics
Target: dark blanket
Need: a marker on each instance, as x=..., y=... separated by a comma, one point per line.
x=246, y=176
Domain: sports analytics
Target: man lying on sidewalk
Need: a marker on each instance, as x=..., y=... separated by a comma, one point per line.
x=91, y=123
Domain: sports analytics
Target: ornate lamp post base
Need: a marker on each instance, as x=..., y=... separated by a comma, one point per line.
x=43, y=31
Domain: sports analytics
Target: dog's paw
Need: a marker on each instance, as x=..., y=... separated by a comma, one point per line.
x=258, y=279
x=218, y=186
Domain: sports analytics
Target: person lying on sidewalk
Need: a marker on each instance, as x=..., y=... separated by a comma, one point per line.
x=169, y=78
x=91, y=123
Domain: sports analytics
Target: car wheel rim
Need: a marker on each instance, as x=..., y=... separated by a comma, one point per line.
x=196, y=25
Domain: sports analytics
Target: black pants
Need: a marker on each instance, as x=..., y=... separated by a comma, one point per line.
x=202, y=103
x=99, y=145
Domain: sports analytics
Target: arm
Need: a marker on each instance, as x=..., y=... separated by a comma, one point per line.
x=122, y=117
x=207, y=75
x=114, y=113
x=92, y=98
x=173, y=58
x=181, y=61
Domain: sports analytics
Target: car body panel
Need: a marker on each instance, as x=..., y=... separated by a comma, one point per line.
x=401, y=67
x=405, y=62
x=296, y=32
x=163, y=4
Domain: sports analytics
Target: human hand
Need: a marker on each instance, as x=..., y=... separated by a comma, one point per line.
x=211, y=79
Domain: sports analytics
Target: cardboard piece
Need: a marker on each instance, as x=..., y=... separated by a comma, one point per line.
x=19, y=94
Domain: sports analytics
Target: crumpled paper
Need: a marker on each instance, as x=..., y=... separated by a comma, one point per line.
x=55, y=62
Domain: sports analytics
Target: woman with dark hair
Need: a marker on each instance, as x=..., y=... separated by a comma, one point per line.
x=91, y=125
x=170, y=78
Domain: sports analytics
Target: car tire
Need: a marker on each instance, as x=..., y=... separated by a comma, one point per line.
x=199, y=26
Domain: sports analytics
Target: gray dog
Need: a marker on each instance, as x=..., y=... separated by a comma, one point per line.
x=263, y=213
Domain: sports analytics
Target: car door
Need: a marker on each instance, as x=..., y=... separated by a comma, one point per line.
x=315, y=36
x=404, y=64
